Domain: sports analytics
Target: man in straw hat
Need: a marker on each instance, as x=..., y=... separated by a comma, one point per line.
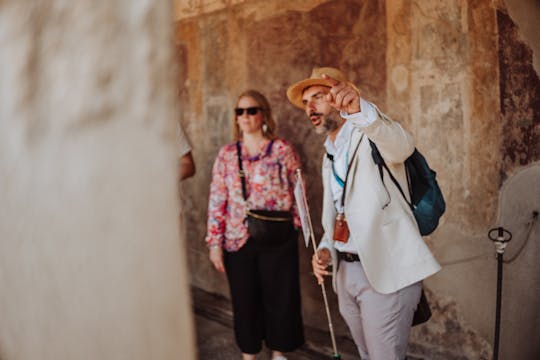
x=379, y=258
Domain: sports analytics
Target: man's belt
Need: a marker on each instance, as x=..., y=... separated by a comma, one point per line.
x=348, y=257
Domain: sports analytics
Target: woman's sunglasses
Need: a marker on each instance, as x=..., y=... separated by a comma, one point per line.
x=249, y=110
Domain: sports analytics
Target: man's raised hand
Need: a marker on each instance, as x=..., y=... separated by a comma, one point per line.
x=343, y=96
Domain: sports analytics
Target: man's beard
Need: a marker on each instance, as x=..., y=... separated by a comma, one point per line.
x=331, y=122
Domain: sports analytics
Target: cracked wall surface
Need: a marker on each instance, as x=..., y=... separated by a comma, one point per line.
x=520, y=98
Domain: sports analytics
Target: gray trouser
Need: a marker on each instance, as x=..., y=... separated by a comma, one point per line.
x=379, y=323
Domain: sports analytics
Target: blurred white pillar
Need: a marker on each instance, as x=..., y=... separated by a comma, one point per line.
x=91, y=264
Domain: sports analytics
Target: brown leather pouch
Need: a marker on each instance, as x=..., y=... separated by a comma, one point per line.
x=341, y=229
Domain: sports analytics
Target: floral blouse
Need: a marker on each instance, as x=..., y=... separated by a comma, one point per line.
x=270, y=181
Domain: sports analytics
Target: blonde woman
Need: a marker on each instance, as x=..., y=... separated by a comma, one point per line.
x=262, y=270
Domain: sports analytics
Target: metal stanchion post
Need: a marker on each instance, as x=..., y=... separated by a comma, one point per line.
x=500, y=240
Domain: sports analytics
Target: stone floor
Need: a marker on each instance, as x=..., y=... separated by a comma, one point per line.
x=215, y=339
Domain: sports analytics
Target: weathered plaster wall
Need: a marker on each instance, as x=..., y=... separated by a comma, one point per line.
x=91, y=266
x=520, y=175
x=525, y=13
x=434, y=66
x=520, y=316
x=520, y=98
x=238, y=49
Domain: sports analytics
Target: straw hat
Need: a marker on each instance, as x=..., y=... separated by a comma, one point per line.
x=295, y=91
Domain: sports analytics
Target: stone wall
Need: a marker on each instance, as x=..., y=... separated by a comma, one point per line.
x=520, y=177
x=446, y=69
x=520, y=98
x=91, y=266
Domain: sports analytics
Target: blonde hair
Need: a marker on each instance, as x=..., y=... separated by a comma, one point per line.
x=266, y=111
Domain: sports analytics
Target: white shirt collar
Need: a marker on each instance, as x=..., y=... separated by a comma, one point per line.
x=342, y=139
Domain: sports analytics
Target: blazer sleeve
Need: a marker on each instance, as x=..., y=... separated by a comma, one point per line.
x=394, y=143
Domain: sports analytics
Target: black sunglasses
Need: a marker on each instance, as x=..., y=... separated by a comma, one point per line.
x=250, y=110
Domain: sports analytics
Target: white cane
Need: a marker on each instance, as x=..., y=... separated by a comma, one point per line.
x=300, y=181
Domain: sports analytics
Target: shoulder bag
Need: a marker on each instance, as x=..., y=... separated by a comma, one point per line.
x=266, y=227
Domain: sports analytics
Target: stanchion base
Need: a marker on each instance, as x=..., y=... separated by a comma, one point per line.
x=336, y=356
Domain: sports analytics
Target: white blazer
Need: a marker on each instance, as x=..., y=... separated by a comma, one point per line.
x=387, y=239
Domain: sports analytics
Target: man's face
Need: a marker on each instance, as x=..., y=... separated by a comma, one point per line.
x=322, y=115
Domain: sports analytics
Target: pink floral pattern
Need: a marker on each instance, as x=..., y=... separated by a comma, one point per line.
x=270, y=181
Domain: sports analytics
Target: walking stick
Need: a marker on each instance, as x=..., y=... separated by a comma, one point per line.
x=307, y=219
x=500, y=241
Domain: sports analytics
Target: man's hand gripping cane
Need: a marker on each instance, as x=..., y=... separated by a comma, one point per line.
x=320, y=262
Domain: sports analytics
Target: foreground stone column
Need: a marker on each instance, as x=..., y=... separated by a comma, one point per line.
x=91, y=266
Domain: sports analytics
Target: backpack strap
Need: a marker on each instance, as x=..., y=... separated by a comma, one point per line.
x=378, y=159
x=341, y=182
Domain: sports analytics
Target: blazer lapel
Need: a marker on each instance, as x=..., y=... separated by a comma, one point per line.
x=328, y=208
x=356, y=139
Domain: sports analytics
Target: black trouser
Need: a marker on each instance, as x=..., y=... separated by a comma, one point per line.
x=265, y=292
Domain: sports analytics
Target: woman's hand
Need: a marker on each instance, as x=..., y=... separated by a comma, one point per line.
x=216, y=257
x=319, y=266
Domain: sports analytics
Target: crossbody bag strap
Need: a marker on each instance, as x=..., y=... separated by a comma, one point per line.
x=242, y=175
x=348, y=170
x=241, y=171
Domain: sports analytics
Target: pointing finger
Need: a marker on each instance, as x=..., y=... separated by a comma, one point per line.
x=333, y=82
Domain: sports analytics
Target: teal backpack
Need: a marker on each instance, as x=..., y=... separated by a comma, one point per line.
x=427, y=201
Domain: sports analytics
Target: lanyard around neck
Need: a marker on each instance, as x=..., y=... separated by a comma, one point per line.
x=341, y=182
